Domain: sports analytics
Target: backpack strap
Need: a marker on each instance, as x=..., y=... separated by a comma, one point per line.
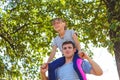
x=79, y=65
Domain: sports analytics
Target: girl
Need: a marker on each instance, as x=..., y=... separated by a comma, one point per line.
x=63, y=35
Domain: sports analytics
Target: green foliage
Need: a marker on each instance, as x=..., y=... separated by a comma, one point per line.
x=26, y=31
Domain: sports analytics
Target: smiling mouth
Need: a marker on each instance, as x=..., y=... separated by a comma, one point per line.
x=67, y=53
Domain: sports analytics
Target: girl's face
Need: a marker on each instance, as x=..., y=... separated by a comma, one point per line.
x=58, y=25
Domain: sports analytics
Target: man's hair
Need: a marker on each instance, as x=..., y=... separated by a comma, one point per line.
x=68, y=42
x=58, y=19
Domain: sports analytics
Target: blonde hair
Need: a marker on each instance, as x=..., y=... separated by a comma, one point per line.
x=59, y=19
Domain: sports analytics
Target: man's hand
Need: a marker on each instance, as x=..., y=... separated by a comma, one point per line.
x=44, y=68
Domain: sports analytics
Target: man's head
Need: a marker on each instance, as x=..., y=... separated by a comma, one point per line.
x=58, y=24
x=68, y=48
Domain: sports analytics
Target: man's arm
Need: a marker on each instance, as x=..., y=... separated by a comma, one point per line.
x=96, y=70
x=43, y=71
x=43, y=76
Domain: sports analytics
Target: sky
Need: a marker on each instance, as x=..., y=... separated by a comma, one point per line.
x=107, y=63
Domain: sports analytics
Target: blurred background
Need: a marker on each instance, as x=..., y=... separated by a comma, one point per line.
x=26, y=34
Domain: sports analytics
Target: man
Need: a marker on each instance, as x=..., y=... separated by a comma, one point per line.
x=74, y=67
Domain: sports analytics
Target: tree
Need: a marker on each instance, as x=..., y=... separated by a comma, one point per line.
x=113, y=10
x=26, y=32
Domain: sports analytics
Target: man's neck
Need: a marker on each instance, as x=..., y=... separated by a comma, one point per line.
x=68, y=59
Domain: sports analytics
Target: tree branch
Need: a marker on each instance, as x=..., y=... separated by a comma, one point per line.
x=110, y=4
x=105, y=3
x=21, y=27
x=6, y=39
x=96, y=15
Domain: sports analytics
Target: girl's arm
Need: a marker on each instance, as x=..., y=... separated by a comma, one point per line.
x=77, y=43
x=52, y=54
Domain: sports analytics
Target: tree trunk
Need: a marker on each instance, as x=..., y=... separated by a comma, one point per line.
x=113, y=9
x=117, y=55
x=115, y=38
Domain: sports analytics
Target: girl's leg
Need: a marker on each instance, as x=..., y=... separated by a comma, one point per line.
x=53, y=66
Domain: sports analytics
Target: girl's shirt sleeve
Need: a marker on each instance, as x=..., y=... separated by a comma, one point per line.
x=72, y=32
x=54, y=43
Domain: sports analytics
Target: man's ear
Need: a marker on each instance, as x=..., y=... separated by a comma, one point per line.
x=74, y=49
x=62, y=51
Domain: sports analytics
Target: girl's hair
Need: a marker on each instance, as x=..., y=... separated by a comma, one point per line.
x=60, y=20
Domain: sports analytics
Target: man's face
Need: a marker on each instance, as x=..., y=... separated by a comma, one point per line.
x=68, y=50
x=58, y=25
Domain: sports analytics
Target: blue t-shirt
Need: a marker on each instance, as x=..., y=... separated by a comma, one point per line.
x=67, y=72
